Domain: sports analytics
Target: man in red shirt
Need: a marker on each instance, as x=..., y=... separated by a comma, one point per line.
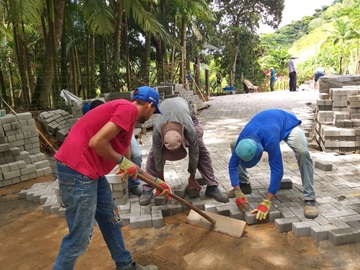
x=93, y=147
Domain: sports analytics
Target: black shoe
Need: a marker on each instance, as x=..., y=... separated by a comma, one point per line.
x=245, y=188
x=136, y=190
x=146, y=197
x=215, y=193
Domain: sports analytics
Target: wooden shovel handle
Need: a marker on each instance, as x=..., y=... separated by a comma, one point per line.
x=149, y=179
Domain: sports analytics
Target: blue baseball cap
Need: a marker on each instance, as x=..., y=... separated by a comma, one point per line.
x=249, y=150
x=148, y=94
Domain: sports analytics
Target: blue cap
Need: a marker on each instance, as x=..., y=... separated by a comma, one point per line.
x=249, y=150
x=148, y=94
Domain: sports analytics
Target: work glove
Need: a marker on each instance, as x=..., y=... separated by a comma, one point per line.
x=167, y=190
x=241, y=200
x=126, y=167
x=262, y=210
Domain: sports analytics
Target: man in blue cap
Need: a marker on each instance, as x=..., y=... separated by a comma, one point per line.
x=95, y=144
x=264, y=132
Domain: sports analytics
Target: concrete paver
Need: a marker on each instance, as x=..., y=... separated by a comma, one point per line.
x=337, y=190
x=337, y=185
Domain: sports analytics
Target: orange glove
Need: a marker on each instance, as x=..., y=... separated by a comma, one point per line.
x=126, y=167
x=241, y=200
x=165, y=192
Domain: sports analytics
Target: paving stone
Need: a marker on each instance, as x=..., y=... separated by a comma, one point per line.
x=303, y=228
x=344, y=236
x=320, y=232
x=323, y=165
x=285, y=224
x=157, y=218
x=286, y=183
x=138, y=222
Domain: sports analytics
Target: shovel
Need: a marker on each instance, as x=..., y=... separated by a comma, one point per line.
x=210, y=221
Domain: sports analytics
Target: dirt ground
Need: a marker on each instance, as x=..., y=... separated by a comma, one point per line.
x=30, y=239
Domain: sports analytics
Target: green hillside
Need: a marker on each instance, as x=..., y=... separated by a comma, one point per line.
x=329, y=38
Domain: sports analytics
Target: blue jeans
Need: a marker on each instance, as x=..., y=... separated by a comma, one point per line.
x=136, y=157
x=298, y=143
x=84, y=200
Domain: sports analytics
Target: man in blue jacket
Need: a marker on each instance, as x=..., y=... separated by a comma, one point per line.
x=264, y=132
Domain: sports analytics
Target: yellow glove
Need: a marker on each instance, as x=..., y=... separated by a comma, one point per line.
x=262, y=210
x=126, y=167
x=241, y=200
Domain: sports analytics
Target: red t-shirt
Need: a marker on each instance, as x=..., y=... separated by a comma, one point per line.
x=75, y=151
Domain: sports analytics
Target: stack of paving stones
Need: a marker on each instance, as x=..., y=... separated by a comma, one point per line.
x=20, y=156
x=337, y=120
x=57, y=123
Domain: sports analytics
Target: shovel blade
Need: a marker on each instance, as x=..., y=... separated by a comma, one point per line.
x=225, y=225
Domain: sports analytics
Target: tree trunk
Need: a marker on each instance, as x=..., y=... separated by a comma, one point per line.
x=183, y=51
x=2, y=85
x=197, y=74
x=127, y=57
x=52, y=25
x=63, y=63
x=73, y=70
x=233, y=69
x=145, y=63
x=159, y=61
x=115, y=78
x=11, y=83
x=102, y=61
x=92, y=65
x=19, y=47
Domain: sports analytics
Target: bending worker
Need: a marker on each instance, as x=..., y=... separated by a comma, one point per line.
x=264, y=132
x=175, y=129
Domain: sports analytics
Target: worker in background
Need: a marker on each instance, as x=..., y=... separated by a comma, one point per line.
x=319, y=72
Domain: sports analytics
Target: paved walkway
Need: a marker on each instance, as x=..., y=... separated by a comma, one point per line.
x=337, y=191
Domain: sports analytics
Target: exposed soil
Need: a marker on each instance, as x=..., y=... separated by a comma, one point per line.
x=30, y=239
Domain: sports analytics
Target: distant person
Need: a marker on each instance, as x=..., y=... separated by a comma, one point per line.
x=319, y=72
x=292, y=74
x=272, y=78
x=264, y=132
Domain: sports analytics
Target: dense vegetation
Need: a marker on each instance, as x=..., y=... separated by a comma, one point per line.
x=87, y=46
x=92, y=46
x=330, y=38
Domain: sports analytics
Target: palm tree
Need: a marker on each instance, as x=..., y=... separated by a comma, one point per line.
x=343, y=31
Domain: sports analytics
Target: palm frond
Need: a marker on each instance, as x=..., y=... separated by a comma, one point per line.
x=146, y=20
x=99, y=16
x=25, y=11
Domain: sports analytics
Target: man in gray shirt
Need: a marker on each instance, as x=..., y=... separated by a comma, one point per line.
x=174, y=131
x=292, y=74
